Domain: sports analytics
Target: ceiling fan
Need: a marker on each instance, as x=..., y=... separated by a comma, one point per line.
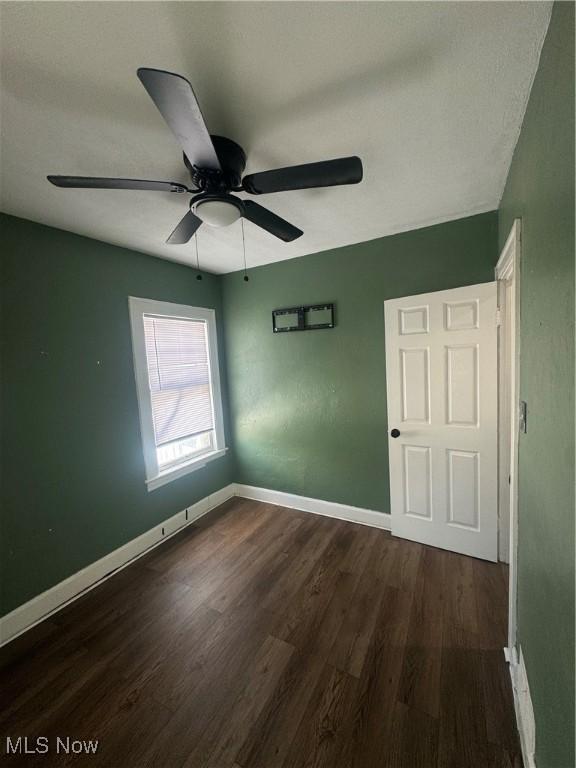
x=216, y=165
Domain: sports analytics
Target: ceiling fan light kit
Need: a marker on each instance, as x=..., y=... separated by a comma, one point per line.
x=217, y=211
x=216, y=165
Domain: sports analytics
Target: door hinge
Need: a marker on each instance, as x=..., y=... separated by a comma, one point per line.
x=498, y=317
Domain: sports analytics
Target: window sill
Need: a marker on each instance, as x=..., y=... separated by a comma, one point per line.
x=183, y=469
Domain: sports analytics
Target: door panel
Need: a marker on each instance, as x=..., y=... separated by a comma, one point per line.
x=463, y=488
x=462, y=385
x=417, y=481
x=413, y=320
x=415, y=385
x=441, y=370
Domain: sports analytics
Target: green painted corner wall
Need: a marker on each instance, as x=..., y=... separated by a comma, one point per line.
x=540, y=191
x=73, y=473
x=309, y=409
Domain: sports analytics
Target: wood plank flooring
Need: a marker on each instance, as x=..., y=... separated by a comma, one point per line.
x=263, y=637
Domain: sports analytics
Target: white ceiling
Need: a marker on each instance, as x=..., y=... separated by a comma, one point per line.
x=430, y=95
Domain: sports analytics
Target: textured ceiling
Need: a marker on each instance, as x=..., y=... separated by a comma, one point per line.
x=431, y=96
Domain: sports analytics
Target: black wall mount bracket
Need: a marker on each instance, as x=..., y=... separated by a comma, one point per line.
x=310, y=317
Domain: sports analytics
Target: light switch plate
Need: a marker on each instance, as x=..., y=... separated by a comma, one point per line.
x=523, y=417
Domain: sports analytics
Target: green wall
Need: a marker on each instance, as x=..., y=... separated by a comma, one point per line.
x=540, y=190
x=73, y=473
x=309, y=409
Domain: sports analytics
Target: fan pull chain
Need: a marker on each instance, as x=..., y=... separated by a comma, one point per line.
x=198, y=277
x=246, y=278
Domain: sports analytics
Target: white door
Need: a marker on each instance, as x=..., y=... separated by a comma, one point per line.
x=441, y=372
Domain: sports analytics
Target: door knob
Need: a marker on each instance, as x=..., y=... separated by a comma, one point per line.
x=395, y=433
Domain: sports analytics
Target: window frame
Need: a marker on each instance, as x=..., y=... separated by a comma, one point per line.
x=138, y=307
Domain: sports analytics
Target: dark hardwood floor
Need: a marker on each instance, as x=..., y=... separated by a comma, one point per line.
x=262, y=637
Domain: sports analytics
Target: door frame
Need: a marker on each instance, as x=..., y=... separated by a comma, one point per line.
x=508, y=274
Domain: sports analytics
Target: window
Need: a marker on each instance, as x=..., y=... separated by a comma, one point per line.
x=178, y=386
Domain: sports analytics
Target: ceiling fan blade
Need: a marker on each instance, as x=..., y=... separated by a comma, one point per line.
x=175, y=99
x=94, y=182
x=185, y=229
x=329, y=173
x=267, y=220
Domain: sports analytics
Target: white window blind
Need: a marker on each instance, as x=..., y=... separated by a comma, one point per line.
x=179, y=377
x=178, y=386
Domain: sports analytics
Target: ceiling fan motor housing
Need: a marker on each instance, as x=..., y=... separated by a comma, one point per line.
x=233, y=161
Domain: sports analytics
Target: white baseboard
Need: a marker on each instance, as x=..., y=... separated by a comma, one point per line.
x=39, y=608
x=316, y=506
x=523, y=705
